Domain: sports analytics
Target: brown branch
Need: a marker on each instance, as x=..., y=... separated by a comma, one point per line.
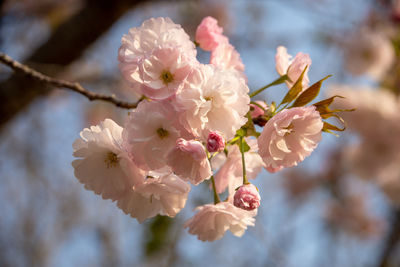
x=391, y=242
x=67, y=42
x=76, y=87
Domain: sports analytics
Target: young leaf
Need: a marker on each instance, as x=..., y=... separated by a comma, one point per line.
x=324, y=104
x=309, y=94
x=324, y=110
x=328, y=126
x=295, y=90
x=250, y=129
x=241, y=132
x=246, y=147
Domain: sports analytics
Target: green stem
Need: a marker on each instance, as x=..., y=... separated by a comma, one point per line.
x=213, y=155
x=276, y=82
x=216, y=196
x=243, y=162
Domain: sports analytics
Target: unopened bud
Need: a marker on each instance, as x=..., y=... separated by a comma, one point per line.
x=247, y=197
x=215, y=142
x=256, y=110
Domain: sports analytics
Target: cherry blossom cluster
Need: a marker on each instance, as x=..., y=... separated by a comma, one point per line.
x=197, y=123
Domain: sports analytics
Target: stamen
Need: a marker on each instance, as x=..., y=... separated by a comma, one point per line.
x=289, y=129
x=167, y=77
x=162, y=133
x=111, y=160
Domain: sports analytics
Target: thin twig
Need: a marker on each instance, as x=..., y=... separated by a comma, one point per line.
x=76, y=87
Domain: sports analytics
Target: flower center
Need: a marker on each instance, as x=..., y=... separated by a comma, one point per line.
x=111, y=160
x=167, y=77
x=289, y=129
x=162, y=133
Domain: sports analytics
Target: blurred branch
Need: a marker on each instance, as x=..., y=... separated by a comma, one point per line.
x=391, y=242
x=65, y=45
x=76, y=87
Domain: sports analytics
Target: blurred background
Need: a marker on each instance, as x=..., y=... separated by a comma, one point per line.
x=340, y=207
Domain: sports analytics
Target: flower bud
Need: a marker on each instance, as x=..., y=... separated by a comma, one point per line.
x=215, y=142
x=256, y=110
x=247, y=197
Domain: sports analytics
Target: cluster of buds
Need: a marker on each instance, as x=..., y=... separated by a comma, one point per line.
x=196, y=123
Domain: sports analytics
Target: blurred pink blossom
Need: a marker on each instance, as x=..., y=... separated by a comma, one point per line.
x=376, y=122
x=368, y=52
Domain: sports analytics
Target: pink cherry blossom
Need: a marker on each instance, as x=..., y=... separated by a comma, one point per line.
x=289, y=137
x=247, y=197
x=151, y=132
x=189, y=161
x=161, y=193
x=141, y=42
x=215, y=142
x=103, y=165
x=212, y=221
x=213, y=100
x=225, y=57
x=163, y=73
x=292, y=67
x=209, y=34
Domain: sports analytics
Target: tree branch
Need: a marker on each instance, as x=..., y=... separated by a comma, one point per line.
x=66, y=43
x=392, y=241
x=58, y=83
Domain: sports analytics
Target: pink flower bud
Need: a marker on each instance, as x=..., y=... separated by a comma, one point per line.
x=247, y=197
x=215, y=142
x=256, y=111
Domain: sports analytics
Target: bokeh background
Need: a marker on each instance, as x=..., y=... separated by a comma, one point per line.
x=338, y=208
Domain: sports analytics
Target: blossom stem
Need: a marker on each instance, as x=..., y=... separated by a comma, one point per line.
x=243, y=161
x=280, y=80
x=216, y=196
x=213, y=155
